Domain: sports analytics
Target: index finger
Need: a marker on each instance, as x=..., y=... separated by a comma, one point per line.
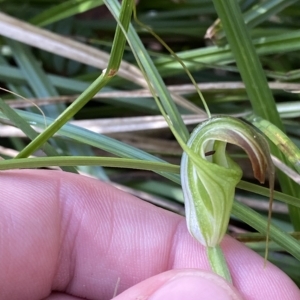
x=74, y=234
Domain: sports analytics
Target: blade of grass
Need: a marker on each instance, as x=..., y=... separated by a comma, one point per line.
x=31, y=133
x=282, y=43
x=250, y=187
x=65, y=47
x=112, y=162
x=64, y=10
x=280, y=139
x=152, y=74
x=255, y=220
x=14, y=75
x=34, y=74
x=62, y=46
x=259, y=94
x=263, y=11
x=257, y=14
x=42, y=87
x=93, y=139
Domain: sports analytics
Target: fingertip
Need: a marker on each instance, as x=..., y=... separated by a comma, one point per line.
x=182, y=284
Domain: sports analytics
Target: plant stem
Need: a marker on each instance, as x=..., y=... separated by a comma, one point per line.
x=114, y=162
x=218, y=262
x=98, y=84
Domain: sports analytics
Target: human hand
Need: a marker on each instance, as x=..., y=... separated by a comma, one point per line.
x=65, y=236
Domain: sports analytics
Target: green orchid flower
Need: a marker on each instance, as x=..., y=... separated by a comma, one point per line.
x=209, y=177
x=209, y=181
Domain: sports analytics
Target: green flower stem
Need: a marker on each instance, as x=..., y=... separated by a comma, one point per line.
x=38, y=162
x=151, y=74
x=260, y=96
x=218, y=262
x=64, y=117
x=107, y=74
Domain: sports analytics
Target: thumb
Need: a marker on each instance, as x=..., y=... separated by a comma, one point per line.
x=189, y=284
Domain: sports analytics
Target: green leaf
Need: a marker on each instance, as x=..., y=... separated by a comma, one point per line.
x=64, y=10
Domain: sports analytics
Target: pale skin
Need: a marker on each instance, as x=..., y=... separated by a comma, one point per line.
x=65, y=236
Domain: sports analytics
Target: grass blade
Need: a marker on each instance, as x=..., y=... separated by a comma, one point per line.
x=32, y=134
x=64, y=10
x=112, y=162
x=259, y=94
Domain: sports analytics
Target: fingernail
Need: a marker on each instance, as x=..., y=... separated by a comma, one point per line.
x=193, y=288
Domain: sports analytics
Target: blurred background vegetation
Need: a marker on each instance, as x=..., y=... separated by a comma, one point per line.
x=52, y=75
